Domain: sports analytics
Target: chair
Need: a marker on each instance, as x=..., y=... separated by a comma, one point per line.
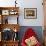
x=28, y=37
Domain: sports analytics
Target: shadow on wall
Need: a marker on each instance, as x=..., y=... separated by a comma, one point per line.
x=37, y=29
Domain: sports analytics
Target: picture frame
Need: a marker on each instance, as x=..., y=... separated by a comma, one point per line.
x=5, y=12
x=30, y=13
x=12, y=12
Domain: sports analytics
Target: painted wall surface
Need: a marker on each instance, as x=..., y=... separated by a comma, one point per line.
x=26, y=4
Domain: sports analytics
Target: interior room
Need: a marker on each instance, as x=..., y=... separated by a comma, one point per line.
x=22, y=23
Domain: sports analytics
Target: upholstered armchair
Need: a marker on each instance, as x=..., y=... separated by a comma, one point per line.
x=30, y=38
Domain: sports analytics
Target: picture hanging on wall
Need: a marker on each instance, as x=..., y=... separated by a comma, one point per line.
x=30, y=13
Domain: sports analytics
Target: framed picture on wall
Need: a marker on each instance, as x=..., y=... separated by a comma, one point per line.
x=5, y=12
x=30, y=13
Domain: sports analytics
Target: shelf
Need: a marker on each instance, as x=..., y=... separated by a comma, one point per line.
x=10, y=19
x=6, y=23
x=11, y=41
x=10, y=26
x=5, y=12
x=8, y=10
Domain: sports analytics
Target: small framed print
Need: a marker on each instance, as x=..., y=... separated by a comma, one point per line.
x=5, y=12
x=30, y=13
x=12, y=12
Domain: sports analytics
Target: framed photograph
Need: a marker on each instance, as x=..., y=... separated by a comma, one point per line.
x=12, y=12
x=30, y=13
x=5, y=12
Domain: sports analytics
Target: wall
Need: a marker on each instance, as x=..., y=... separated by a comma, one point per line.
x=27, y=4
x=44, y=4
x=32, y=4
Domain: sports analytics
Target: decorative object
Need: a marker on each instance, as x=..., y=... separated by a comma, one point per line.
x=13, y=12
x=15, y=3
x=5, y=12
x=15, y=30
x=15, y=37
x=7, y=34
x=6, y=21
x=31, y=41
x=30, y=13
